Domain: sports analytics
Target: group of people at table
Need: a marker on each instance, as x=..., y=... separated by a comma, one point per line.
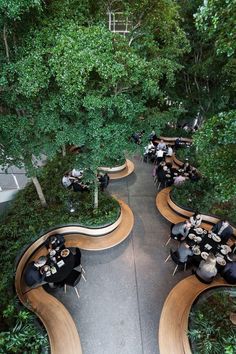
x=74, y=180
x=56, y=267
x=211, y=251
x=164, y=170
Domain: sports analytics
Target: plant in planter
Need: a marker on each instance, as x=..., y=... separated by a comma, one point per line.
x=211, y=330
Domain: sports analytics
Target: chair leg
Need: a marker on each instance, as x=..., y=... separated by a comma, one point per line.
x=77, y=293
x=159, y=185
x=83, y=277
x=167, y=258
x=167, y=242
x=175, y=270
x=65, y=288
x=185, y=266
x=82, y=269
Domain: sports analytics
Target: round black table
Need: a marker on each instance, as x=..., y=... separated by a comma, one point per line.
x=63, y=271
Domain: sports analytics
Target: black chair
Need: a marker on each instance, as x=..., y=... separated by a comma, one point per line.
x=72, y=280
x=172, y=237
x=78, y=262
x=175, y=257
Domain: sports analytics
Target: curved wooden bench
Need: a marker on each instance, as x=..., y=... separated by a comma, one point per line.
x=123, y=173
x=173, y=213
x=58, y=322
x=173, y=323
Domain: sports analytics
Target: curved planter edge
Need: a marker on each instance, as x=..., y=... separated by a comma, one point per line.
x=33, y=295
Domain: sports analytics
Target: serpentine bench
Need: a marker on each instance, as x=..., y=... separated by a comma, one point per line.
x=61, y=329
x=119, y=171
x=174, y=213
x=173, y=323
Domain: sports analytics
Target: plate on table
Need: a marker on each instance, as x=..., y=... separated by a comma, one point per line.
x=191, y=236
x=65, y=252
x=196, y=251
x=199, y=230
x=204, y=255
x=216, y=238
x=221, y=261
x=225, y=249
x=197, y=239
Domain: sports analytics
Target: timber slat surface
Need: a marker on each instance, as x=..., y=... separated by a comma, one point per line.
x=61, y=329
x=175, y=314
x=123, y=173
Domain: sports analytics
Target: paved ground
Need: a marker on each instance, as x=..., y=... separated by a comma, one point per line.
x=120, y=304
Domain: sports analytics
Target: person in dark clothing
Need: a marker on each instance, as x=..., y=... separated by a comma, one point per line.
x=229, y=272
x=32, y=273
x=55, y=242
x=104, y=181
x=223, y=229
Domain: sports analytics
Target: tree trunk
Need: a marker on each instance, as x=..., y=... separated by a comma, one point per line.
x=39, y=191
x=5, y=42
x=95, y=204
x=63, y=150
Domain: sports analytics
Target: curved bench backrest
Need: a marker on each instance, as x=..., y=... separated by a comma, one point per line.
x=175, y=314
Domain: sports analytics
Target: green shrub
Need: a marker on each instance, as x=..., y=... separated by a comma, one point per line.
x=202, y=196
x=26, y=219
x=23, y=336
x=211, y=331
x=176, y=132
x=188, y=154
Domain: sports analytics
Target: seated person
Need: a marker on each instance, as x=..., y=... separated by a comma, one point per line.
x=178, y=143
x=55, y=242
x=77, y=173
x=67, y=180
x=32, y=273
x=181, y=230
x=223, y=229
x=229, y=271
x=184, y=252
x=178, y=180
x=159, y=156
x=195, y=220
x=104, y=181
x=79, y=186
x=161, y=145
x=186, y=167
x=169, y=151
x=161, y=176
x=207, y=269
x=193, y=174
x=232, y=244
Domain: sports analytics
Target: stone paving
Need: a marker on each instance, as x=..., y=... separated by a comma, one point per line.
x=120, y=304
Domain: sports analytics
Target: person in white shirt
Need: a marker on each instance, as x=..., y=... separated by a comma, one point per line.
x=77, y=173
x=159, y=156
x=196, y=220
x=67, y=180
x=169, y=151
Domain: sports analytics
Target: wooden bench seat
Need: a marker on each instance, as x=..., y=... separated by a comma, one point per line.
x=173, y=323
x=123, y=173
x=61, y=329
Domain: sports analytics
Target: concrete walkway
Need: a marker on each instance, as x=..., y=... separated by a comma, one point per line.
x=120, y=304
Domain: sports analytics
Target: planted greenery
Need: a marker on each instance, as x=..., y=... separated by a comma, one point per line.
x=23, y=336
x=176, y=132
x=211, y=331
x=26, y=219
x=202, y=196
x=189, y=153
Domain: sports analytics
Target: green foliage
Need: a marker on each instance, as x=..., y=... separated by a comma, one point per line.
x=203, y=197
x=217, y=19
x=23, y=335
x=188, y=153
x=26, y=219
x=216, y=150
x=211, y=331
x=175, y=132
